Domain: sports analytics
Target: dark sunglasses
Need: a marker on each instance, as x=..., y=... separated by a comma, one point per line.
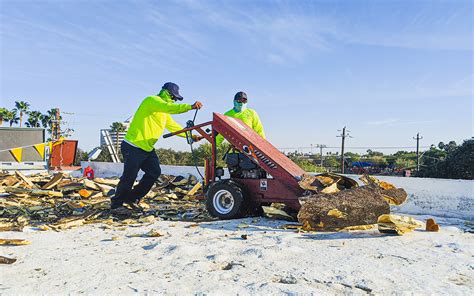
x=241, y=100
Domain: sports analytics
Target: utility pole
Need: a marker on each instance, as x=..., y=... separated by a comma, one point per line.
x=321, y=146
x=418, y=138
x=58, y=126
x=55, y=126
x=344, y=135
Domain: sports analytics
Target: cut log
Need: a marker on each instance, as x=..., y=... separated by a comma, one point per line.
x=352, y=207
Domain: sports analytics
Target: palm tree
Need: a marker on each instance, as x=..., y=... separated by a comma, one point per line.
x=117, y=127
x=23, y=107
x=3, y=111
x=34, y=119
x=11, y=117
x=48, y=120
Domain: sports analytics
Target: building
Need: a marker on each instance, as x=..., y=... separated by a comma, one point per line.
x=23, y=139
x=116, y=138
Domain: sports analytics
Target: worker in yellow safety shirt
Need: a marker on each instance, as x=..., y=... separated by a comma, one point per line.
x=151, y=118
x=247, y=115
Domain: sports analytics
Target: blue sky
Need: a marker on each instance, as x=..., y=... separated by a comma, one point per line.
x=385, y=69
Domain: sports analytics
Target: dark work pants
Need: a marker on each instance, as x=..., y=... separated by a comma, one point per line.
x=135, y=159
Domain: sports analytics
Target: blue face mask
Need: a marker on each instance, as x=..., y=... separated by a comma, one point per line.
x=239, y=107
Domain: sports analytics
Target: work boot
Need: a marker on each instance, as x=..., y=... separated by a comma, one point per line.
x=110, y=193
x=134, y=205
x=117, y=208
x=120, y=211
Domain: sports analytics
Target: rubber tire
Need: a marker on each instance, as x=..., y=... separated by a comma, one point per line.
x=239, y=208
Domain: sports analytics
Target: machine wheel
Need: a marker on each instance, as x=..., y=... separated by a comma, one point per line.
x=225, y=200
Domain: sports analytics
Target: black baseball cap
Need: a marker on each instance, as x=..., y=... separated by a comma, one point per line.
x=173, y=89
x=240, y=95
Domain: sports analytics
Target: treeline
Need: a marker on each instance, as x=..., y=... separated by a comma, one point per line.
x=450, y=161
x=21, y=115
x=169, y=156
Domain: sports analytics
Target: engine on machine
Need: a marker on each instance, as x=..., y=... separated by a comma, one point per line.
x=242, y=167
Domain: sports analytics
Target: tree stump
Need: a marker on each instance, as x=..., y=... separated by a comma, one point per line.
x=352, y=207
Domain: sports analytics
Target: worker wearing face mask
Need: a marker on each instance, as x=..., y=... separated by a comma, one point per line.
x=247, y=115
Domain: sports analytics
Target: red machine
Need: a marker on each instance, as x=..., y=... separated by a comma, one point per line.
x=259, y=173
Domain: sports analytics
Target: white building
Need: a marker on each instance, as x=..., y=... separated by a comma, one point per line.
x=115, y=137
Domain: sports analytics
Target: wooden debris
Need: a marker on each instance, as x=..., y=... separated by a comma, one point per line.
x=36, y=192
x=25, y=179
x=195, y=189
x=109, y=182
x=6, y=260
x=9, y=181
x=327, y=182
x=431, y=225
x=393, y=195
x=180, y=181
x=396, y=224
x=147, y=219
x=14, y=242
x=359, y=227
x=69, y=186
x=10, y=226
x=330, y=189
x=151, y=233
x=54, y=181
x=67, y=223
x=84, y=193
x=274, y=213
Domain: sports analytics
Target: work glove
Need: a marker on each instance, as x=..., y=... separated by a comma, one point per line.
x=197, y=105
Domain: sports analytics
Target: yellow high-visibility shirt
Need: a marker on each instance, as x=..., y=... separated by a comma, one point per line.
x=249, y=117
x=151, y=118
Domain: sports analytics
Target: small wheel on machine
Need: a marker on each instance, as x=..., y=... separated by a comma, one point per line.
x=225, y=200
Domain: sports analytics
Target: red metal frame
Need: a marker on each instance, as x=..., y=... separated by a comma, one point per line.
x=282, y=183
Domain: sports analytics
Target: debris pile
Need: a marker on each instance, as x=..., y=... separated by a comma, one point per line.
x=60, y=201
x=331, y=202
x=335, y=202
